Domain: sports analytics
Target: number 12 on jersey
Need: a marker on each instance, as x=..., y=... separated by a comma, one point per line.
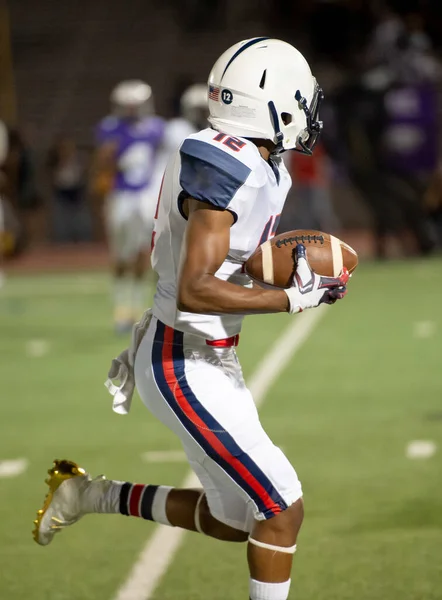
x=270, y=228
x=231, y=142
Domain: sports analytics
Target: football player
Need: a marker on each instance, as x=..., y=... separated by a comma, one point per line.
x=128, y=143
x=221, y=197
x=194, y=112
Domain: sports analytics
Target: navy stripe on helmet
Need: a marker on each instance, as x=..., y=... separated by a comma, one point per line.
x=244, y=47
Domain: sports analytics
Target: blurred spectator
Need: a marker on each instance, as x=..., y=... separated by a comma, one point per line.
x=3, y=142
x=71, y=216
x=11, y=232
x=11, y=237
x=311, y=204
x=20, y=182
x=332, y=30
x=383, y=40
x=19, y=167
x=3, y=153
x=388, y=120
x=433, y=204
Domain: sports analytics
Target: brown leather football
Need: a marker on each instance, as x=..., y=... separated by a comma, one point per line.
x=273, y=262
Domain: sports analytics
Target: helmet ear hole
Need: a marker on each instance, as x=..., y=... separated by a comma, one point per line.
x=286, y=118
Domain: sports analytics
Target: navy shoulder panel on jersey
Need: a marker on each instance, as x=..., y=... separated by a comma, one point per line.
x=210, y=174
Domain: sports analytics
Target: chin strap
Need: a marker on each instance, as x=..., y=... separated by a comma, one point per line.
x=275, y=122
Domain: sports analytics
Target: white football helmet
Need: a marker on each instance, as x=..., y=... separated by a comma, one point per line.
x=132, y=94
x=194, y=96
x=263, y=88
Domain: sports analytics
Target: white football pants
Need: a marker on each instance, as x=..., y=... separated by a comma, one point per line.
x=198, y=391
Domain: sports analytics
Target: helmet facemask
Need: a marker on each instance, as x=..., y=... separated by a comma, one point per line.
x=309, y=135
x=307, y=139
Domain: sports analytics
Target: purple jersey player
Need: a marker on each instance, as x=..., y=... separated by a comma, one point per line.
x=129, y=142
x=136, y=144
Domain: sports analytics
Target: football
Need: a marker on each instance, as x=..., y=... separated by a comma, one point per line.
x=273, y=262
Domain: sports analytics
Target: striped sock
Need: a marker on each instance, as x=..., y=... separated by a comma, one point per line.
x=145, y=501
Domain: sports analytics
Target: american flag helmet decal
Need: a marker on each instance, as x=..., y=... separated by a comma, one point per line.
x=213, y=93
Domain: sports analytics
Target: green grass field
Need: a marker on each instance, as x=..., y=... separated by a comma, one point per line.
x=367, y=382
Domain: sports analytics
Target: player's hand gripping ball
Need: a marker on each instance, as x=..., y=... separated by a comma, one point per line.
x=274, y=262
x=310, y=290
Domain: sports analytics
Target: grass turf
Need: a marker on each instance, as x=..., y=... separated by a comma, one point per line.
x=356, y=393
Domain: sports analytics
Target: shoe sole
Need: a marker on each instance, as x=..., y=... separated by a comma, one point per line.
x=60, y=472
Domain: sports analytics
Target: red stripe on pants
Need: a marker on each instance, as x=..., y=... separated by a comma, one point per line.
x=211, y=438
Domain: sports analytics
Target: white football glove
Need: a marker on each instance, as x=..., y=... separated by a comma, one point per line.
x=310, y=290
x=121, y=376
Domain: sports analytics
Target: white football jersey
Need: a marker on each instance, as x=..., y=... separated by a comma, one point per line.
x=230, y=174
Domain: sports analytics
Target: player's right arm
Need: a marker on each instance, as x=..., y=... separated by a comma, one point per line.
x=211, y=178
x=205, y=249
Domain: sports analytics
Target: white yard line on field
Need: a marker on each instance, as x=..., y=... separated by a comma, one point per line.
x=160, y=549
x=419, y=449
x=37, y=348
x=13, y=468
x=164, y=456
x=424, y=329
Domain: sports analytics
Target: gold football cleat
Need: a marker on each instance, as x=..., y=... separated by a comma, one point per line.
x=60, y=472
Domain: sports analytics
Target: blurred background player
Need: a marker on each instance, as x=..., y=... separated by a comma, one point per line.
x=128, y=145
x=194, y=112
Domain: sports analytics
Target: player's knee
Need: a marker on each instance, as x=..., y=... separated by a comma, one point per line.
x=284, y=526
x=289, y=519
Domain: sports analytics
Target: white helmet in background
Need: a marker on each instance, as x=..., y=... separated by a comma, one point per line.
x=194, y=105
x=133, y=94
x=263, y=88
